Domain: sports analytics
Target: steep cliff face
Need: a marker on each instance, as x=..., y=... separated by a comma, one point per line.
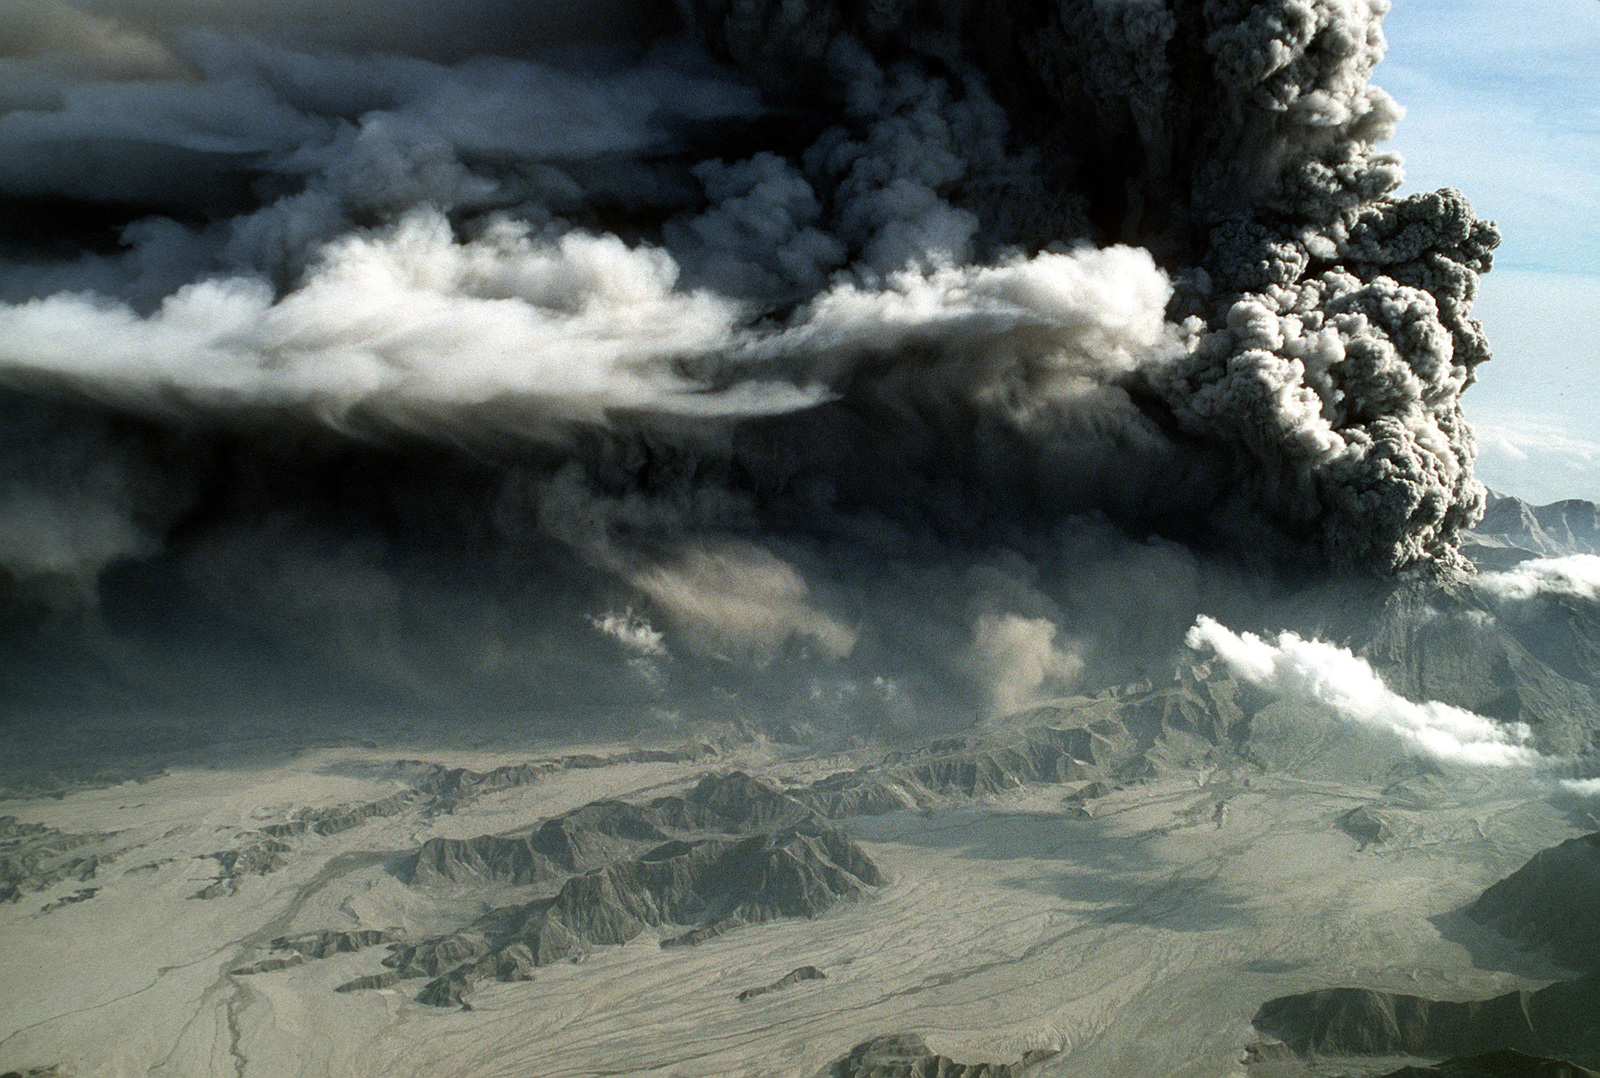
x=1531, y=661
x=1552, y=901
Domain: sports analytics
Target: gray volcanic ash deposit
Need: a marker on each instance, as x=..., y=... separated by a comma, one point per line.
x=826, y=359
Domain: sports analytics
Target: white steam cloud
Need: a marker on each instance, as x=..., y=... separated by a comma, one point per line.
x=1576, y=576
x=407, y=320
x=633, y=631
x=410, y=325
x=1313, y=672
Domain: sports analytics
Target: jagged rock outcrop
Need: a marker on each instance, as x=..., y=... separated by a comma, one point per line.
x=450, y=788
x=375, y=980
x=793, y=977
x=1503, y=1063
x=863, y=792
x=436, y=790
x=287, y=951
x=905, y=1055
x=1368, y=825
x=331, y=821
x=34, y=857
x=1552, y=901
x=1560, y=1020
x=600, y=833
x=322, y=944
x=256, y=855
x=1080, y=804
x=975, y=767
x=800, y=870
x=270, y=965
x=441, y=789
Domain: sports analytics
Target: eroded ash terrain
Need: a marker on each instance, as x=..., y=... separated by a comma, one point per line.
x=1184, y=876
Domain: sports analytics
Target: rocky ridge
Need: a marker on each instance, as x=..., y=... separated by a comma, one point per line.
x=734, y=850
x=34, y=857
x=731, y=851
x=1501, y=1063
x=793, y=977
x=256, y=855
x=435, y=791
x=906, y=1055
x=1115, y=736
x=1513, y=531
x=1200, y=716
x=1549, y=902
x=287, y=951
x=1454, y=643
x=1552, y=901
x=1553, y=1021
x=1368, y=825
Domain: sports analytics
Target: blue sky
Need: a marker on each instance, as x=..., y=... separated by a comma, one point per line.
x=1503, y=101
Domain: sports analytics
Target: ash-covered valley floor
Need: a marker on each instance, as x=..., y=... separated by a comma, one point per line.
x=1194, y=877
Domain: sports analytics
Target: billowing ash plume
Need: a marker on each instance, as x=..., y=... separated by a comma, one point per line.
x=865, y=355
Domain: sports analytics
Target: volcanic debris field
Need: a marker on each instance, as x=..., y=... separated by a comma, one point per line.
x=1193, y=877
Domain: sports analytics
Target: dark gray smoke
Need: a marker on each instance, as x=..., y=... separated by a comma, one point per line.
x=870, y=359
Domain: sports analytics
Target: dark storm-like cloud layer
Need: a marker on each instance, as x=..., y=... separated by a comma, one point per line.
x=948, y=348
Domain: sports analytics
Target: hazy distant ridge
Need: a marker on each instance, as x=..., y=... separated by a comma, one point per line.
x=1513, y=531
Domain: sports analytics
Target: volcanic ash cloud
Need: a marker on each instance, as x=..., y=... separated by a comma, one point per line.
x=875, y=338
